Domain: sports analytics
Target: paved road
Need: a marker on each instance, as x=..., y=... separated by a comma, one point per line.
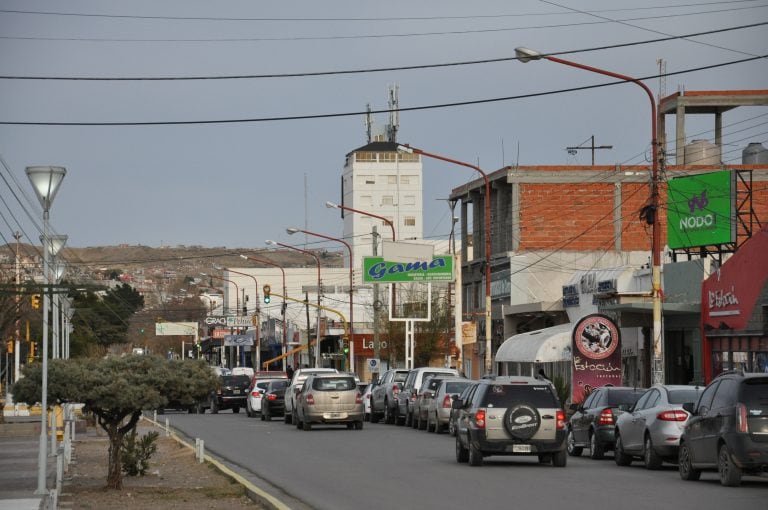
x=386, y=467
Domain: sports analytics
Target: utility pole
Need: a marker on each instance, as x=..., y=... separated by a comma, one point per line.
x=376, y=304
x=309, y=353
x=17, y=340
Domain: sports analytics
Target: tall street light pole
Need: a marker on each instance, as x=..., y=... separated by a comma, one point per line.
x=45, y=181
x=652, y=211
x=237, y=306
x=256, y=313
x=319, y=287
x=332, y=205
x=293, y=230
x=285, y=305
x=487, y=222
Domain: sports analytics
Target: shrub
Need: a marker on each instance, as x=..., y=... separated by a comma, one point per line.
x=136, y=454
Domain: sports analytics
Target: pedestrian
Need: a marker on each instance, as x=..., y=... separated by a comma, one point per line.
x=289, y=371
x=542, y=375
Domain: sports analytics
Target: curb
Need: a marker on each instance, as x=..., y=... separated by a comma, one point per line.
x=254, y=493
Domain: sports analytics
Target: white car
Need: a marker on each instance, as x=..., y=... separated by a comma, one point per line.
x=299, y=376
x=366, y=393
x=257, y=391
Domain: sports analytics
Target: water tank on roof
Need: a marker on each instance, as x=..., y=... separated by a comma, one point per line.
x=702, y=152
x=754, y=154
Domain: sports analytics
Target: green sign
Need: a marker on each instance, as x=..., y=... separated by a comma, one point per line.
x=377, y=270
x=701, y=210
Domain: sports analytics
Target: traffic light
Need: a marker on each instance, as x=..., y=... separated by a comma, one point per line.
x=267, y=289
x=36, y=301
x=346, y=347
x=10, y=346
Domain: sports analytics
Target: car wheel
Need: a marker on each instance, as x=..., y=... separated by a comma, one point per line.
x=421, y=424
x=374, y=416
x=651, y=458
x=248, y=412
x=389, y=417
x=399, y=420
x=685, y=466
x=296, y=420
x=408, y=419
x=573, y=450
x=307, y=426
x=462, y=454
x=265, y=415
x=730, y=473
x=451, y=427
x=596, y=450
x=475, y=455
x=560, y=459
x=621, y=458
x=236, y=409
x=214, y=406
x=287, y=417
x=263, y=418
x=358, y=425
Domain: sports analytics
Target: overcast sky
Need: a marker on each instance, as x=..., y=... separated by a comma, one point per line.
x=236, y=184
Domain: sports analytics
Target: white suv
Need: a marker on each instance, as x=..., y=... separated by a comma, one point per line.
x=299, y=376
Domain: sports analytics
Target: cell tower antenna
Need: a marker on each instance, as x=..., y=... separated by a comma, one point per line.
x=394, y=112
x=368, y=121
x=662, y=78
x=573, y=150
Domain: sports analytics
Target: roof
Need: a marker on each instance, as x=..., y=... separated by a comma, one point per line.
x=377, y=147
x=541, y=346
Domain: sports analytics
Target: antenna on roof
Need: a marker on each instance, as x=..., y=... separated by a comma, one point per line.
x=368, y=121
x=394, y=113
x=573, y=150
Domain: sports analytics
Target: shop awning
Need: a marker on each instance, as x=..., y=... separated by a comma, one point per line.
x=542, y=346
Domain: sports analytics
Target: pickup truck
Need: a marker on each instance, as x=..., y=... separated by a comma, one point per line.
x=384, y=395
x=232, y=393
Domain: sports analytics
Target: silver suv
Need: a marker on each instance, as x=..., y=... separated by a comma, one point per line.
x=299, y=376
x=406, y=399
x=329, y=399
x=510, y=416
x=384, y=394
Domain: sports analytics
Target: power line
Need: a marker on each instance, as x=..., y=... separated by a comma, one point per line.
x=401, y=109
x=371, y=70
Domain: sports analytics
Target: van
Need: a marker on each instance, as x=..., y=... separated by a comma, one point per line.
x=406, y=399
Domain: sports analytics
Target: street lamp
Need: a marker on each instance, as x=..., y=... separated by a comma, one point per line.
x=332, y=205
x=651, y=211
x=45, y=181
x=408, y=149
x=237, y=304
x=255, y=311
x=317, y=328
x=293, y=230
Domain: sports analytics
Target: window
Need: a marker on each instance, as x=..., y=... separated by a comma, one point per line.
x=366, y=200
x=366, y=179
x=409, y=157
x=726, y=394
x=365, y=156
x=705, y=402
x=388, y=157
x=641, y=404
x=409, y=221
x=387, y=200
x=409, y=200
x=391, y=179
x=412, y=180
x=405, y=179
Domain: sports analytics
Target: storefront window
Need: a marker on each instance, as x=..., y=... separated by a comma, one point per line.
x=747, y=354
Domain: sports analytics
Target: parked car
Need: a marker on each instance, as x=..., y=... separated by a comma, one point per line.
x=329, y=399
x=439, y=407
x=406, y=398
x=366, y=393
x=651, y=429
x=384, y=395
x=593, y=423
x=256, y=392
x=510, y=416
x=455, y=411
x=232, y=393
x=273, y=400
x=299, y=376
x=728, y=429
x=242, y=371
x=423, y=398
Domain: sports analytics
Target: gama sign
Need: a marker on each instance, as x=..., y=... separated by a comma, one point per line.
x=377, y=270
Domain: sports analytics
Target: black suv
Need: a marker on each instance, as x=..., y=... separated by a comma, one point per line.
x=510, y=416
x=728, y=429
x=232, y=393
x=593, y=424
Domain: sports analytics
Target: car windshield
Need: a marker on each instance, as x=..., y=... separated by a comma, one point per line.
x=277, y=385
x=235, y=380
x=400, y=376
x=684, y=396
x=456, y=386
x=754, y=392
x=623, y=398
x=507, y=395
x=432, y=383
x=333, y=384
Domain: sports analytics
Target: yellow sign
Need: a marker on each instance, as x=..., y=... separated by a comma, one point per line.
x=468, y=333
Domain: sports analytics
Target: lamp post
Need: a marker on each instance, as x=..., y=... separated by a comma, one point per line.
x=487, y=235
x=285, y=306
x=293, y=230
x=652, y=211
x=58, y=271
x=256, y=313
x=45, y=181
x=317, y=327
x=332, y=205
x=237, y=302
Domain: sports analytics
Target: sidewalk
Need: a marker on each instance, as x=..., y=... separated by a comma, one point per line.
x=19, y=444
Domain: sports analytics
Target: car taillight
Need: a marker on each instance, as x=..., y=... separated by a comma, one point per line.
x=310, y=399
x=741, y=418
x=255, y=394
x=395, y=389
x=271, y=396
x=480, y=418
x=560, y=419
x=358, y=399
x=672, y=415
x=606, y=417
x=447, y=402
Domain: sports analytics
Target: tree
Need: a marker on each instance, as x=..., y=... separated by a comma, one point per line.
x=116, y=390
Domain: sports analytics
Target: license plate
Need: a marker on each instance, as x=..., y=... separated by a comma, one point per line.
x=521, y=448
x=236, y=392
x=334, y=416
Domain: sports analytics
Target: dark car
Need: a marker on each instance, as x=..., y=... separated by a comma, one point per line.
x=273, y=401
x=728, y=429
x=593, y=424
x=510, y=416
x=455, y=411
x=232, y=393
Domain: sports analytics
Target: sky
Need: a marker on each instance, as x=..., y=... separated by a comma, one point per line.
x=244, y=179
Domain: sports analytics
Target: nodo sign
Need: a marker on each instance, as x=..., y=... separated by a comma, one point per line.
x=378, y=270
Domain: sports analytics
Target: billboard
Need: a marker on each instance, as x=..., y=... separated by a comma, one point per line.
x=377, y=270
x=701, y=210
x=596, y=355
x=175, y=328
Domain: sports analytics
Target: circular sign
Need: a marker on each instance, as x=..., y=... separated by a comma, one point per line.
x=373, y=364
x=596, y=336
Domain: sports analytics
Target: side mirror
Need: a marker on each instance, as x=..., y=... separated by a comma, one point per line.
x=457, y=404
x=574, y=407
x=688, y=406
